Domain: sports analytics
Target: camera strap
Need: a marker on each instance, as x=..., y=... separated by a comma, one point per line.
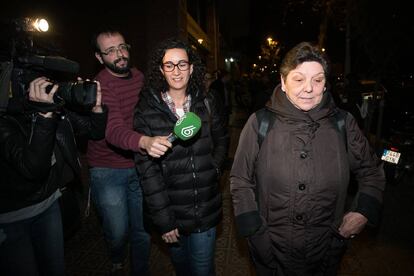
x=43, y=107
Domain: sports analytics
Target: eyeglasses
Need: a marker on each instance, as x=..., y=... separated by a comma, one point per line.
x=182, y=66
x=123, y=48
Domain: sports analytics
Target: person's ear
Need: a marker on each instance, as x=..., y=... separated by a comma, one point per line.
x=282, y=82
x=191, y=69
x=99, y=57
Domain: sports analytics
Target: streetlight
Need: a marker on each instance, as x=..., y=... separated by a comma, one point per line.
x=272, y=43
x=269, y=40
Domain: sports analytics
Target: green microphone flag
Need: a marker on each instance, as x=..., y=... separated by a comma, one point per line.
x=186, y=127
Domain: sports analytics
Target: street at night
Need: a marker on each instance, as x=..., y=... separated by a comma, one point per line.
x=326, y=188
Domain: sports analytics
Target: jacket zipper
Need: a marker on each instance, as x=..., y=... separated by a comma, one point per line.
x=34, y=118
x=73, y=137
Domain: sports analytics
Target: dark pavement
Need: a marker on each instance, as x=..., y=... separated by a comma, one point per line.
x=388, y=250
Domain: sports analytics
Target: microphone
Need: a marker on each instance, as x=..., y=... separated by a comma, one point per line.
x=186, y=127
x=55, y=63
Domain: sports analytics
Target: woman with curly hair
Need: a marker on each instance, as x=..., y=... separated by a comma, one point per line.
x=181, y=188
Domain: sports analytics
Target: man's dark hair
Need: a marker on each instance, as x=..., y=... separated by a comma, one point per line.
x=104, y=29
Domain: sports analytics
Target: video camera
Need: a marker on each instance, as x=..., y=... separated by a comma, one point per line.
x=24, y=61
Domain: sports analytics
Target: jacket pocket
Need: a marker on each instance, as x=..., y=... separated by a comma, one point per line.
x=334, y=253
x=260, y=247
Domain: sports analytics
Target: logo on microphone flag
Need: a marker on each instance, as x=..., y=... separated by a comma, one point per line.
x=187, y=126
x=180, y=120
x=188, y=131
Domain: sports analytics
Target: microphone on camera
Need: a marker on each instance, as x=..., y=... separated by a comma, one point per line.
x=186, y=127
x=55, y=63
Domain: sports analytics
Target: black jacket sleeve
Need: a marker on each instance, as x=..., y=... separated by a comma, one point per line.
x=92, y=126
x=368, y=171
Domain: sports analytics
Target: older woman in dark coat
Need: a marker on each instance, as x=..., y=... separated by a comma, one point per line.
x=289, y=192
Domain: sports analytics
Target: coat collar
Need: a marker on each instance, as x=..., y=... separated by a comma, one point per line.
x=280, y=104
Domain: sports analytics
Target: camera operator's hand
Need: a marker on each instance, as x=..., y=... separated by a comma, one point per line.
x=37, y=92
x=98, y=106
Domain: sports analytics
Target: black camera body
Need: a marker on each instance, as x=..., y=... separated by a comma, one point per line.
x=25, y=61
x=78, y=93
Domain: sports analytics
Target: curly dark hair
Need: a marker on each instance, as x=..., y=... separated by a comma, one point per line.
x=155, y=81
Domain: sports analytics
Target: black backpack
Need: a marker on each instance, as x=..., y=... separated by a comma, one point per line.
x=266, y=118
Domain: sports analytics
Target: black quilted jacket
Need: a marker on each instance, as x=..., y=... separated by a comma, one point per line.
x=181, y=189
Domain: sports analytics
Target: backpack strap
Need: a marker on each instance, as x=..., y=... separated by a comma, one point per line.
x=265, y=119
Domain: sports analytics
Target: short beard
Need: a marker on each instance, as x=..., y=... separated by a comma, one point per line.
x=116, y=69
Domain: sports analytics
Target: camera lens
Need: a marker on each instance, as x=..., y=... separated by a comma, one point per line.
x=78, y=94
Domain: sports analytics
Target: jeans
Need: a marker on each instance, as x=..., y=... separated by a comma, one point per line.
x=33, y=246
x=194, y=254
x=118, y=197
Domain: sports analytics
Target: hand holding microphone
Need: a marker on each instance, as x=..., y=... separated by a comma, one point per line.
x=155, y=146
x=186, y=127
